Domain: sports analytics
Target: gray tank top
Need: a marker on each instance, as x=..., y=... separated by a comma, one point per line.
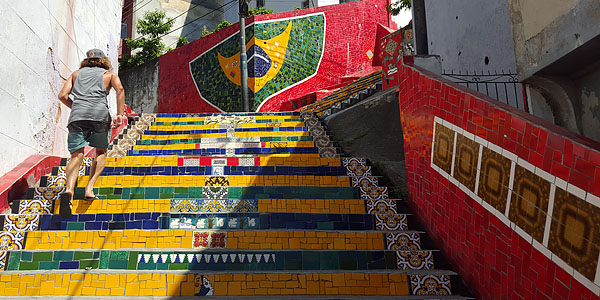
x=89, y=96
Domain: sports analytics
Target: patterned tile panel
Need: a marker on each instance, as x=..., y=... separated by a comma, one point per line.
x=575, y=233
x=493, y=182
x=21, y=222
x=213, y=205
x=415, y=260
x=529, y=202
x=437, y=285
x=443, y=149
x=403, y=241
x=465, y=166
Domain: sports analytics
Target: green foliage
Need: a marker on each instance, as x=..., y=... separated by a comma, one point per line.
x=152, y=27
x=222, y=25
x=259, y=11
x=395, y=8
x=205, y=31
x=181, y=41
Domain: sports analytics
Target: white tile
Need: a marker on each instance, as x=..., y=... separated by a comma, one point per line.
x=594, y=200
x=549, y=215
x=452, y=179
x=545, y=175
x=477, y=198
x=510, y=155
x=575, y=191
x=481, y=141
x=219, y=162
x=454, y=156
x=464, y=189
x=468, y=135
x=495, y=148
x=478, y=168
x=437, y=119
x=436, y=168
x=457, y=129
x=582, y=279
x=597, y=279
x=542, y=249
x=525, y=164
x=488, y=207
x=561, y=263
x=523, y=234
x=502, y=218
x=447, y=124
x=561, y=184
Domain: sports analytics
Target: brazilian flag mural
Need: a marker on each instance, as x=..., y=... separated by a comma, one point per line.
x=281, y=53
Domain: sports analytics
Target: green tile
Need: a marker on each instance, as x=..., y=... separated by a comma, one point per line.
x=49, y=265
x=125, y=193
x=133, y=258
x=329, y=261
x=91, y=263
x=162, y=266
x=195, y=192
x=166, y=196
x=26, y=256
x=78, y=255
x=24, y=265
x=106, y=191
x=181, y=196
x=120, y=255
x=181, y=190
x=146, y=266
x=13, y=260
x=234, y=193
x=42, y=256
x=63, y=255
x=181, y=266
x=96, y=254
x=104, y=259
x=325, y=225
x=137, y=196
x=75, y=226
x=118, y=264
x=168, y=189
x=137, y=190
x=111, y=197
x=152, y=192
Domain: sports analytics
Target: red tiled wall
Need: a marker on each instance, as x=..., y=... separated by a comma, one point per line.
x=350, y=33
x=496, y=261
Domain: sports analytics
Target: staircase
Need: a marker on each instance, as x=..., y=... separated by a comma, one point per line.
x=249, y=204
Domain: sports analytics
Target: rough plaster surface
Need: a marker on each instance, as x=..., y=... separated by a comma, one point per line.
x=41, y=44
x=141, y=86
x=464, y=32
x=371, y=129
x=562, y=34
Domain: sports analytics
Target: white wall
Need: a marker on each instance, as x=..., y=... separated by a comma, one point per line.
x=41, y=43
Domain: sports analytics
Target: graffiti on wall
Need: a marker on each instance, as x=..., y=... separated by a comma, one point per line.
x=281, y=53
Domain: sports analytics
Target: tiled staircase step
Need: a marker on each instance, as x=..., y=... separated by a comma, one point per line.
x=118, y=205
x=223, y=239
x=183, y=283
x=207, y=170
x=228, y=145
x=229, y=151
x=224, y=135
x=249, y=260
x=201, y=125
x=250, y=160
x=249, y=139
x=282, y=297
x=204, y=192
x=159, y=122
x=261, y=129
x=201, y=221
x=258, y=115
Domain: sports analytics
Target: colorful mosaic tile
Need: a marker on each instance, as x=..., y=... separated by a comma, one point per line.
x=529, y=202
x=21, y=222
x=415, y=260
x=443, y=149
x=465, y=165
x=207, y=239
x=381, y=206
x=357, y=167
x=216, y=181
x=403, y=241
x=35, y=207
x=575, y=232
x=493, y=181
x=289, y=51
x=215, y=192
x=430, y=285
x=11, y=240
x=213, y=205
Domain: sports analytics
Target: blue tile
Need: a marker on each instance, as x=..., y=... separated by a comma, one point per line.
x=68, y=265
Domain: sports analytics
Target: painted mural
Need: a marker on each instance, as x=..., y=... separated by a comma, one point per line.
x=281, y=53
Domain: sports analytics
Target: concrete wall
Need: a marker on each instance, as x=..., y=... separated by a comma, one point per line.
x=41, y=44
x=141, y=86
x=210, y=14
x=546, y=30
x=465, y=32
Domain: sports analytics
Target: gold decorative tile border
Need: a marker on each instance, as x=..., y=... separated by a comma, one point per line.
x=559, y=219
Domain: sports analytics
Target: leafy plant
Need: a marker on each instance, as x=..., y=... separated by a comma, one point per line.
x=181, y=41
x=395, y=8
x=259, y=11
x=151, y=28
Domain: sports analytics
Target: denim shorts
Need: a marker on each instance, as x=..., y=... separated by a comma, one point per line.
x=83, y=133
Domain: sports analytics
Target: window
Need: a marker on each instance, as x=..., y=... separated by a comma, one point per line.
x=260, y=3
